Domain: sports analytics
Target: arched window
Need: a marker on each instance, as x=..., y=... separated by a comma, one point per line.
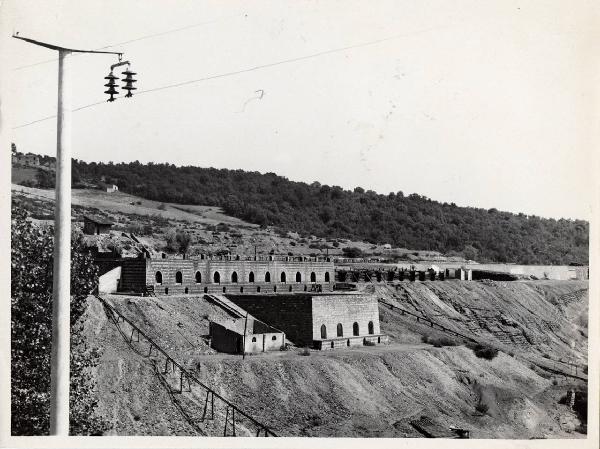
x=187, y=290
x=267, y=277
x=340, y=330
x=327, y=276
x=283, y=277
x=205, y=289
x=323, y=332
x=251, y=277
x=378, y=275
x=217, y=278
x=234, y=277
x=166, y=290
x=158, y=277
x=371, y=329
x=241, y=289
x=258, y=289
x=298, y=277
x=253, y=339
x=313, y=277
x=178, y=277
x=390, y=276
x=198, y=277
x=355, y=328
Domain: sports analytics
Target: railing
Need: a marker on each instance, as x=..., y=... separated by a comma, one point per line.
x=185, y=375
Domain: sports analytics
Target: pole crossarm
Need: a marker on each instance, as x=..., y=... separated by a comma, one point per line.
x=59, y=48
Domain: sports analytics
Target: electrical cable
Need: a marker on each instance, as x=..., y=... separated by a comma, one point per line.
x=251, y=69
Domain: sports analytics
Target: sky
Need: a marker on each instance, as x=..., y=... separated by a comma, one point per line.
x=484, y=104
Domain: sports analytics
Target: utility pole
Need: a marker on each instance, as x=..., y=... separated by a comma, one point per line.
x=61, y=281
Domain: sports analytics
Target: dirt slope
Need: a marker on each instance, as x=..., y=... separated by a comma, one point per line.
x=365, y=391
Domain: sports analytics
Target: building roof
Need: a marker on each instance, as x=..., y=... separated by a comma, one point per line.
x=97, y=220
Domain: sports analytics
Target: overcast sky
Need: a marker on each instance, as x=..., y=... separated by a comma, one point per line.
x=484, y=104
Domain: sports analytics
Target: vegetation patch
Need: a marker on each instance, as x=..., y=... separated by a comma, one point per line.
x=483, y=351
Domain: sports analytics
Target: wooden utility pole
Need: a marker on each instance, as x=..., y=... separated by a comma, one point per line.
x=61, y=280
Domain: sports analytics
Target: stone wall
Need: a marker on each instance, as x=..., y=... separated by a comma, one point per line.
x=331, y=310
x=290, y=313
x=180, y=276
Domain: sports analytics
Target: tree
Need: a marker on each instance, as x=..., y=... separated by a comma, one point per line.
x=183, y=242
x=31, y=325
x=352, y=251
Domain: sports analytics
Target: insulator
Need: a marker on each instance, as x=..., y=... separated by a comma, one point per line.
x=112, y=86
x=129, y=82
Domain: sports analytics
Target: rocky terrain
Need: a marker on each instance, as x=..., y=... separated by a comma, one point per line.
x=407, y=388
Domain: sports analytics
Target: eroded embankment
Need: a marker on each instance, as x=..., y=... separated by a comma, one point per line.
x=352, y=392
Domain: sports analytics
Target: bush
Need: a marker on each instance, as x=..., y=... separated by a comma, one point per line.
x=438, y=342
x=162, y=206
x=482, y=408
x=305, y=351
x=483, y=351
x=352, y=251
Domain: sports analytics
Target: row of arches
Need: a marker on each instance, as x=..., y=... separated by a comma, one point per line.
x=340, y=330
x=234, y=279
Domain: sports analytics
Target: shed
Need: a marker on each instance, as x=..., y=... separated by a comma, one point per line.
x=93, y=225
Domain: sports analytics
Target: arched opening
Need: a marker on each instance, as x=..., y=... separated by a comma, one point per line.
x=313, y=277
x=158, y=277
x=378, y=276
x=298, y=277
x=178, y=277
x=198, y=277
x=273, y=338
x=347, y=342
x=241, y=289
x=267, y=277
x=251, y=277
x=234, y=277
x=355, y=329
x=205, y=289
x=332, y=344
x=390, y=276
x=224, y=289
x=371, y=328
x=327, y=276
x=187, y=290
x=282, y=277
x=305, y=288
x=274, y=288
x=253, y=339
x=340, y=330
x=258, y=289
x=216, y=278
x=323, y=332
x=290, y=288
x=166, y=290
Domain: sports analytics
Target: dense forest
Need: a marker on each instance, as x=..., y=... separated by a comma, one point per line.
x=411, y=221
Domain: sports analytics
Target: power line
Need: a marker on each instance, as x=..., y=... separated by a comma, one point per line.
x=252, y=69
x=162, y=33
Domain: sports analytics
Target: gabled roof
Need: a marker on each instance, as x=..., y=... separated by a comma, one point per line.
x=97, y=220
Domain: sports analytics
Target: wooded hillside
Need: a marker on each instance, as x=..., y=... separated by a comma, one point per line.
x=412, y=221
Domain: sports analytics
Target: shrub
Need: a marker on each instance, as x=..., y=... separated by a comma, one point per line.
x=482, y=408
x=305, y=351
x=483, y=351
x=438, y=342
x=162, y=206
